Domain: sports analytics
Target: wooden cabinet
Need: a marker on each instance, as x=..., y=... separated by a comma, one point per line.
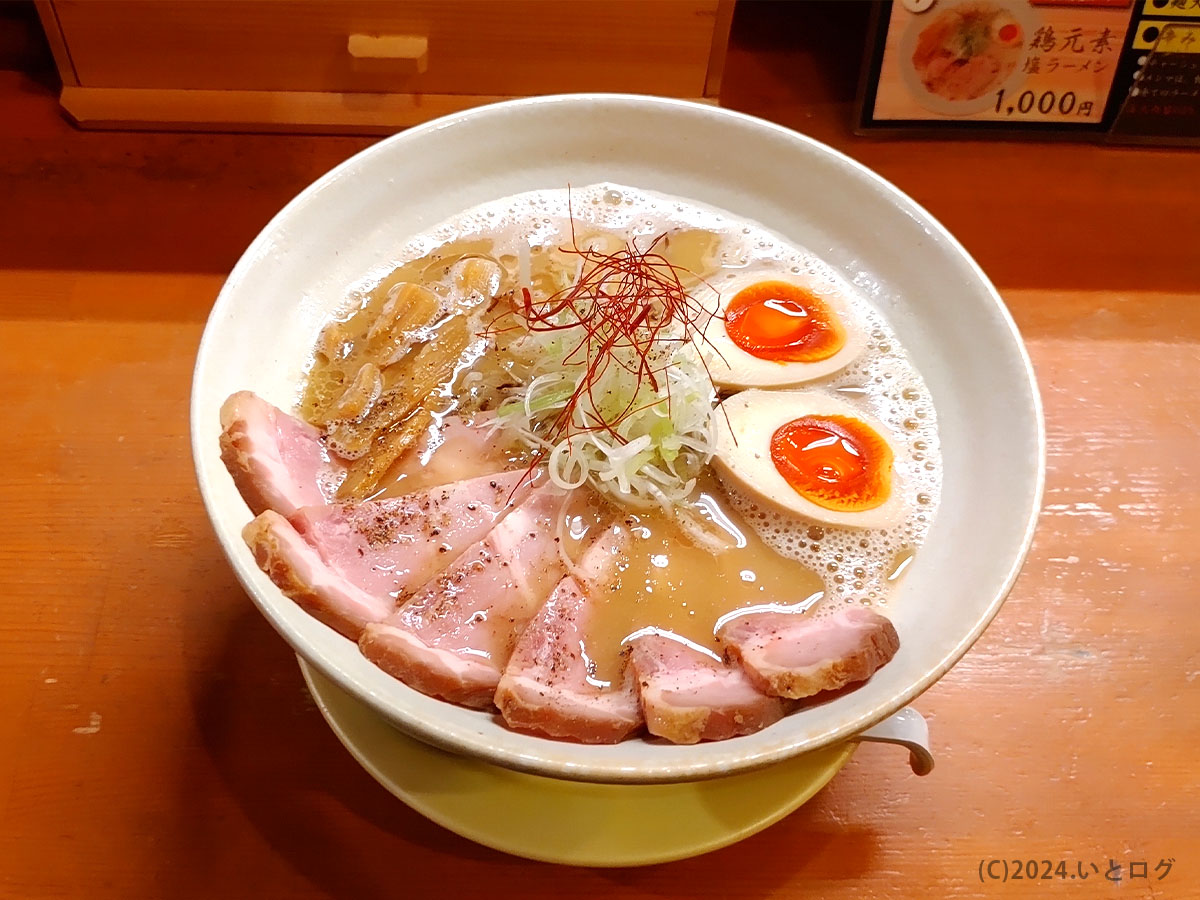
x=367, y=65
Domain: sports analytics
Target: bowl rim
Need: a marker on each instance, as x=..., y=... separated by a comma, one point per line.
x=551, y=765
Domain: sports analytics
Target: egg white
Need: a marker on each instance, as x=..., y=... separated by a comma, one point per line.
x=732, y=367
x=746, y=423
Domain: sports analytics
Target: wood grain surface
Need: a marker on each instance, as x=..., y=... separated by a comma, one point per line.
x=280, y=65
x=156, y=739
x=475, y=46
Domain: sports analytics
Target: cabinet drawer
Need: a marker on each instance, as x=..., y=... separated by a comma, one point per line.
x=505, y=47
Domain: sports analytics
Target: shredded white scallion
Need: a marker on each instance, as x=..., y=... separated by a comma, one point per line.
x=664, y=434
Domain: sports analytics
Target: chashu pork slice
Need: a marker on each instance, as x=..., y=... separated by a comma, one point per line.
x=349, y=564
x=689, y=695
x=280, y=462
x=277, y=461
x=454, y=451
x=454, y=636
x=546, y=687
x=795, y=655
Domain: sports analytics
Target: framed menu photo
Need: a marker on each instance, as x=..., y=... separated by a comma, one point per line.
x=1010, y=65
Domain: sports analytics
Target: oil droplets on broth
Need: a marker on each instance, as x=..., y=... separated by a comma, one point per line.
x=671, y=584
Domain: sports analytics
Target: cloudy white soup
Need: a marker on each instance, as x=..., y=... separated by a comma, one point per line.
x=604, y=461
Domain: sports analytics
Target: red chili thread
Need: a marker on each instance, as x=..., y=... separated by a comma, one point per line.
x=621, y=301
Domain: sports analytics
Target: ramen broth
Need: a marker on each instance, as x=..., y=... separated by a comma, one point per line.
x=720, y=551
x=675, y=582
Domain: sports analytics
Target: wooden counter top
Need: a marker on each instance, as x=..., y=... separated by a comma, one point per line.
x=156, y=739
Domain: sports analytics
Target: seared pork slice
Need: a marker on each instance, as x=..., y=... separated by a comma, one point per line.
x=689, y=696
x=329, y=559
x=277, y=461
x=455, y=451
x=547, y=686
x=280, y=462
x=302, y=574
x=793, y=655
x=453, y=638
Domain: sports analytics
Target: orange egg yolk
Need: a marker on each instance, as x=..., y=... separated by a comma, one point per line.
x=837, y=462
x=783, y=322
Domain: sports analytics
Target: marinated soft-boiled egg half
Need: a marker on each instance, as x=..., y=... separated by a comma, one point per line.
x=812, y=454
x=774, y=330
x=1006, y=30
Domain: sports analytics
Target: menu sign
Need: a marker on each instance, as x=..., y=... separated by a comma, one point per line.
x=1162, y=99
x=1018, y=63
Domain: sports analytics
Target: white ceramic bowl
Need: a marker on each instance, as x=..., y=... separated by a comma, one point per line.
x=940, y=304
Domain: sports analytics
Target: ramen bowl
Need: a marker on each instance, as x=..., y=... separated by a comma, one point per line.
x=939, y=303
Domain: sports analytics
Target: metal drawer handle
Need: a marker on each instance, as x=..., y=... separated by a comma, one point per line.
x=412, y=48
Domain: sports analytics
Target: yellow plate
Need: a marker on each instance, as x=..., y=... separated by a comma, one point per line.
x=571, y=822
